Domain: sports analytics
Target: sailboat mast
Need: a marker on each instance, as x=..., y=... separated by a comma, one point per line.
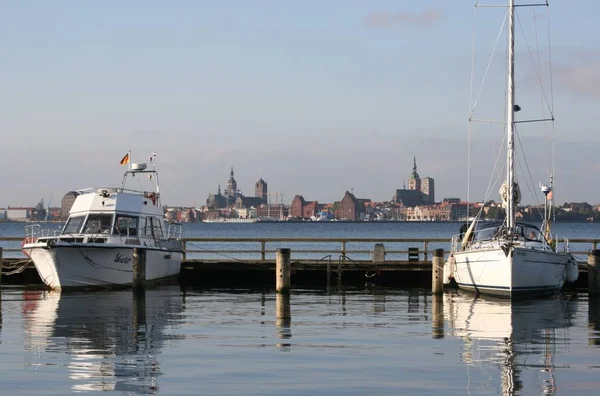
x=510, y=93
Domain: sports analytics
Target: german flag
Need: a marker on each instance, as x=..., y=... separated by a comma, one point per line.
x=125, y=159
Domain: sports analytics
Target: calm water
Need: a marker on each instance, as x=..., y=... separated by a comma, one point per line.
x=367, y=341
x=353, y=342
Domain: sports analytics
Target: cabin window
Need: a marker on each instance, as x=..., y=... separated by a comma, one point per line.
x=126, y=225
x=98, y=224
x=146, y=227
x=73, y=225
x=157, y=228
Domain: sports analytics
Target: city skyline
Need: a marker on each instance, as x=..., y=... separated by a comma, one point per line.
x=316, y=99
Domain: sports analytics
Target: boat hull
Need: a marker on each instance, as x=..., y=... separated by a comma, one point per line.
x=84, y=266
x=522, y=271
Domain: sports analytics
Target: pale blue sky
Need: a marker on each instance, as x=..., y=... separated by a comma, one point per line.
x=315, y=97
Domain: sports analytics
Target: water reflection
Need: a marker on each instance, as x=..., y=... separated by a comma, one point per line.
x=593, y=320
x=513, y=336
x=283, y=320
x=112, y=338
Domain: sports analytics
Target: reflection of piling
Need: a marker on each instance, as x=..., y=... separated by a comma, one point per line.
x=0, y=287
x=283, y=318
x=594, y=320
x=437, y=322
x=282, y=269
x=593, y=264
x=139, y=311
x=139, y=269
x=437, y=272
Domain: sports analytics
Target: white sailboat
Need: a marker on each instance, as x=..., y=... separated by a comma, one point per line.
x=509, y=258
x=95, y=246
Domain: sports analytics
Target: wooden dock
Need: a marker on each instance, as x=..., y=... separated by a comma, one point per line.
x=246, y=262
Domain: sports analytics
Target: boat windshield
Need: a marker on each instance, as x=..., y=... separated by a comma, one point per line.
x=73, y=225
x=98, y=223
x=530, y=233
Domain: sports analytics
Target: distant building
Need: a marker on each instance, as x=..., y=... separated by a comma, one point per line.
x=216, y=201
x=260, y=189
x=352, y=208
x=428, y=190
x=419, y=192
x=247, y=202
x=414, y=181
x=67, y=203
x=18, y=213
x=231, y=191
x=302, y=209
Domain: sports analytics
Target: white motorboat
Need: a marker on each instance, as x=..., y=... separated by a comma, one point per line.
x=95, y=246
x=511, y=258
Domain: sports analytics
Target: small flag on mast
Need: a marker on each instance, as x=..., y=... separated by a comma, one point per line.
x=125, y=159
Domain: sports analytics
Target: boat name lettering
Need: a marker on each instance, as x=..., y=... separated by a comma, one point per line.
x=122, y=259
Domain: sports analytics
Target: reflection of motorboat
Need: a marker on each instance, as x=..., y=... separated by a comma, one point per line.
x=105, y=225
x=512, y=334
x=110, y=339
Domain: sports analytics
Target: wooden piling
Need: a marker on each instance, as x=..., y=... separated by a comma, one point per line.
x=378, y=253
x=282, y=269
x=139, y=269
x=0, y=268
x=593, y=265
x=437, y=272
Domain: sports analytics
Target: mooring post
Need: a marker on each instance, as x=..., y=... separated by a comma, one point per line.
x=282, y=269
x=437, y=272
x=593, y=263
x=139, y=269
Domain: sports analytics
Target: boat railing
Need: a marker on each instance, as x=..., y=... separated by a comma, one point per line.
x=35, y=231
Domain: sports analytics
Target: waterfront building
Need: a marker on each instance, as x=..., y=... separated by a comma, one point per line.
x=352, y=208
x=19, y=213
x=302, y=209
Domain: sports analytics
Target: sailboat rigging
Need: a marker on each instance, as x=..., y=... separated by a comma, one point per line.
x=509, y=257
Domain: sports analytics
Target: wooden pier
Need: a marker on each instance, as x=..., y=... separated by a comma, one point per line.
x=320, y=262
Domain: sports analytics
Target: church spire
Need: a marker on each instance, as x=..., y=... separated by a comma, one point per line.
x=231, y=173
x=414, y=163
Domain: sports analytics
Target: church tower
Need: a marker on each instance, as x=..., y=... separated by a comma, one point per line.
x=414, y=181
x=261, y=190
x=231, y=185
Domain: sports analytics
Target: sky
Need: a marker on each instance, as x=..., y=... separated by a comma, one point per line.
x=315, y=97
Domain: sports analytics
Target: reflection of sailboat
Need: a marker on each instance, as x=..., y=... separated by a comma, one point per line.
x=111, y=339
x=512, y=335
